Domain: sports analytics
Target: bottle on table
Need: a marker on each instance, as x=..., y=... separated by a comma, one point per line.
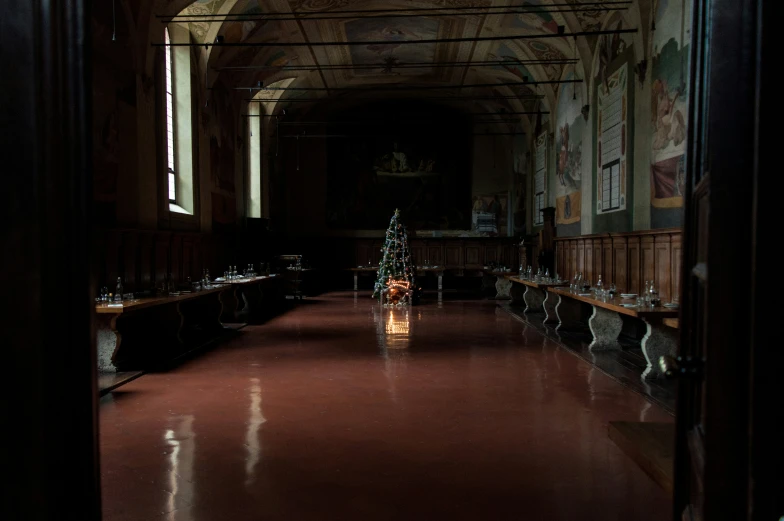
x=653, y=296
x=599, y=287
x=118, y=293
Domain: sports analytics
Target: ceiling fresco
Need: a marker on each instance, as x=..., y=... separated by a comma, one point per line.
x=330, y=67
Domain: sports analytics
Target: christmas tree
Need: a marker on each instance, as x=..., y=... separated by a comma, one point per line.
x=395, y=280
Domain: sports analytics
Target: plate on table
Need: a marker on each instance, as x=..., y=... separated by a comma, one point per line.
x=585, y=294
x=628, y=295
x=671, y=305
x=220, y=279
x=629, y=305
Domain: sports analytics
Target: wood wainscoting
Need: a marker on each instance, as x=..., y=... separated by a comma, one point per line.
x=627, y=259
x=453, y=253
x=143, y=258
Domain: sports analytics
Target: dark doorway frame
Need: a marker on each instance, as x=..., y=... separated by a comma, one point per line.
x=50, y=451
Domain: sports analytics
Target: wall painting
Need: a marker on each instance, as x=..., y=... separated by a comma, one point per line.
x=669, y=102
x=568, y=149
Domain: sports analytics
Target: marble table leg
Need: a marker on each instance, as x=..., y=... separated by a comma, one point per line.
x=503, y=286
x=605, y=327
x=569, y=313
x=550, y=301
x=659, y=340
x=108, y=341
x=534, y=299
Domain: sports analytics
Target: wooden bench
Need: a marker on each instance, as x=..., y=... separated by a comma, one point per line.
x=142, y=333
x=649, y=444
x=537, y=297
x=605, y=325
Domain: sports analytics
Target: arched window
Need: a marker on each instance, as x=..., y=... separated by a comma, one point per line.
x=255, y=173
x=179, y=131
x=172, y=178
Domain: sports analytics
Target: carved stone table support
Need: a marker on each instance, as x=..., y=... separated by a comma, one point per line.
x=550, y=302
x=517, y=293
x=605, y=327
x=659, y=340
x=107, y=341
x=503, y=287
x=230, y=299
x=534, y=299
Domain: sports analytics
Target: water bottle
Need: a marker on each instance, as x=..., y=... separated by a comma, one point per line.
x=118, y=293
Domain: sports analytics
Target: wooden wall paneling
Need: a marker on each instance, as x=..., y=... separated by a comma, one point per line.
x=376, y=252
x=435, y=253
x=560, y=265
x=146, y=271
x=187, y=259
x=453, y=255
x=607, y=260
x=472, y=256
x=663, y=266
x=197, y=266
x=175, y=259
x=162, y=247
x=589, y=263
x=620, y=274
x=581, y=255
x=130, y=252
x=363, y=254
x=647, y=267
x=113, y=259
x=417, y=249
x=633, y=254
x=573, y=256
x=675, y=273
x=492, y=254
x=598, y=259
x=512, y=256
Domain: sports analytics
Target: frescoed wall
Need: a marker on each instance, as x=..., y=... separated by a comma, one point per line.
x=570, y=125
x=669, y=110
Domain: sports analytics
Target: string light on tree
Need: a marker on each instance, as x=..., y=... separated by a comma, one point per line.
x=395, y=279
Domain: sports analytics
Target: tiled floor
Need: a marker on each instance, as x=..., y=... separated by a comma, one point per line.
x=341, y=410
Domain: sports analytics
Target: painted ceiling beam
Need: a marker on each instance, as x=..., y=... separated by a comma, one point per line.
x=220, y=43
x=524, y=8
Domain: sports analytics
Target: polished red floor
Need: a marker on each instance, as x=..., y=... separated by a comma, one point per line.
x=340, y=410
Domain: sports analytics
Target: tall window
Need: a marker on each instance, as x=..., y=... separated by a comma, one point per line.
x=170, y=122
x=539, y=179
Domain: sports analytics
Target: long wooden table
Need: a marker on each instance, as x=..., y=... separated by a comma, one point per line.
x=360, y=270
x=537, y=296
x=131, y=336
x=246, y=298
x=606, y=324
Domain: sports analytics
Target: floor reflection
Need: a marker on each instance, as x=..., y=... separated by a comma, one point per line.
x=252, y=442
x=181, y=443
x=393, y=332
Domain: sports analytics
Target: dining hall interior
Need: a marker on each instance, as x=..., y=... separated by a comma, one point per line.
x=393, y=259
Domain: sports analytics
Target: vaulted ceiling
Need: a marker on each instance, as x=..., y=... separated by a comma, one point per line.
x=280, y=46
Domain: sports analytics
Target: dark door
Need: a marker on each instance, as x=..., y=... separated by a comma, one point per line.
x=727, y=401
